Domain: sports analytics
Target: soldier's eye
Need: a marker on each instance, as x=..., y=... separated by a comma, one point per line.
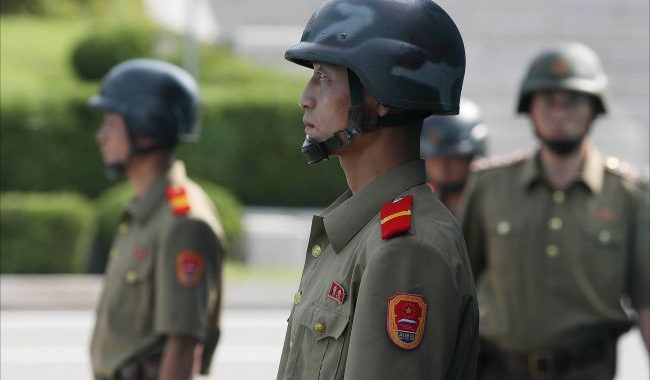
x=320, y=75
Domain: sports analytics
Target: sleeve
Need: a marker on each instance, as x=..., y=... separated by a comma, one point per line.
x=640, y=278
x=471, y=222
x=404, y=277
x=186, y=272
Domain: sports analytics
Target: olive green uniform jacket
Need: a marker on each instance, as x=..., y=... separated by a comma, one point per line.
x=557, y=268
x=163, y=277
x=373, y=308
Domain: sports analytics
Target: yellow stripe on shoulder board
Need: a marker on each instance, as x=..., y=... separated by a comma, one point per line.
x=179, y=202
x=395, y=215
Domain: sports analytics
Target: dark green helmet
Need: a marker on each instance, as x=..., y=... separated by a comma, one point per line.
x=572, y=67
x=407, y=54
x=156, y=99
x=460, y=135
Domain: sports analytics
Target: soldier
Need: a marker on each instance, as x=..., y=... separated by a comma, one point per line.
x=158, y=316
x=448, y=145
x=558, y=240
x=386, y=291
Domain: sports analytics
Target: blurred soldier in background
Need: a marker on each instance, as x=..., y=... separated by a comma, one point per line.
x=448, y=145
x=158, y=316
x=386, y=291
x=558, y=240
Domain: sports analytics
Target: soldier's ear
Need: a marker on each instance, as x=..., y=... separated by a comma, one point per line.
x=382, y=110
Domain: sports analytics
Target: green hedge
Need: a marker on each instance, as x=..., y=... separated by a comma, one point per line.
x=248, y=145
x=98, y=52
x=44, y=233
x=251, y=134
x=111, y=202
x=71, y=8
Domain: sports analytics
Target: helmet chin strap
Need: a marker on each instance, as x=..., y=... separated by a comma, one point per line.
x=360, y=119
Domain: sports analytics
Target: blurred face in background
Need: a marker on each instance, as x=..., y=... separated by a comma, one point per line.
x=448, y=172
x=113, y=139
x=561, y=118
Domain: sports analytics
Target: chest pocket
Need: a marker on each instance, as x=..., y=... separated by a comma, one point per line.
x=131, y=282
x=604, y=259
x=323, y=339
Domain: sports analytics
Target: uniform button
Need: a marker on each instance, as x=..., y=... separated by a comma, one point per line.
x=131, y=277
x=315, y=250
x=604, y=236
x=558, y=196
x=555, y=224
x=112, y=253
x=319, y=328
x=123, y=228
x=503, y=228
x=552, y=250
x=297, y=298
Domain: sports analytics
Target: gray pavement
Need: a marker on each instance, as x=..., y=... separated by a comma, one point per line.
x=53, y=344
x=74, y=292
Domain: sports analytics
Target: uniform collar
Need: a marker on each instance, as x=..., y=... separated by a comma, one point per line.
x=592, y=173
x=349, y=213
x=141, y=208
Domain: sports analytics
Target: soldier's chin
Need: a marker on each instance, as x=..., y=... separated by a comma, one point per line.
x=563, y=147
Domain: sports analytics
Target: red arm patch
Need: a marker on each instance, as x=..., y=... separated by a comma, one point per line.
x=189, y=268
x=407, y=316
x=396, y=217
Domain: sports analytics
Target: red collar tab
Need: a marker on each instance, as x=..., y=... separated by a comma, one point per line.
x=178, y=200
x=396, y=217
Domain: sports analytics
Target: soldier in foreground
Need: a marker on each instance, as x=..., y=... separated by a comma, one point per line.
x=158, y=316
x=558, y=240
x=449, y=145
x=386, y=291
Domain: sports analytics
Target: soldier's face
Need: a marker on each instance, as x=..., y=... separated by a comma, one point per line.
x=561, y=115
x=113, y=139
x=447, y=170
x=326, y=100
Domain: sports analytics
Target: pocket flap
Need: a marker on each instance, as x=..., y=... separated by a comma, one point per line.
x=139, y=266
x=323, y=321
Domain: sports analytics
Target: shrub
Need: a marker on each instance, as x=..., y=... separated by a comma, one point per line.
x=250, y=144
x=44, y=233
x=251, y=133
x=97, y=53
x=70, y=8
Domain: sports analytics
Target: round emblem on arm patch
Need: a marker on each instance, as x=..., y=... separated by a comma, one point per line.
x=407, y=314
x=189, y=268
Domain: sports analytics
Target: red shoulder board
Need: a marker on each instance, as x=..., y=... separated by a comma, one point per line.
x=178, y=200
x=396, y=217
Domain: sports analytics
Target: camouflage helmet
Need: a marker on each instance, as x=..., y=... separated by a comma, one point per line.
x=570, y=66
x=407, y=54
x=156, y=99
x=460, y=135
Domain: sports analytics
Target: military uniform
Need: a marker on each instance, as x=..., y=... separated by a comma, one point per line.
x=164, y=277
x=556, y=268
x=386, y=292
